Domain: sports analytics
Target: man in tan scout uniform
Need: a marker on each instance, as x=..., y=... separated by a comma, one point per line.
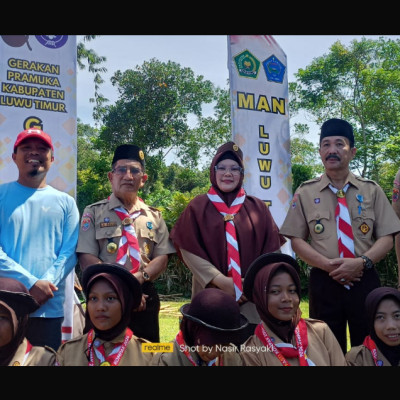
x=396, y=208
x=338, y=283
x=108, y=227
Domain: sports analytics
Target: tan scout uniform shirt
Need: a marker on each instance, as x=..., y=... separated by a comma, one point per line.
x=74, y=351
x=100, y=225
x=360, y=356
x=323, y=349
x=178, y=358
x=203, y=273
x=38, y=356
x=314, y=202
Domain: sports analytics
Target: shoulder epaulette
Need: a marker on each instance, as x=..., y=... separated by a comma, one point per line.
x=310, y=181
x=103, y=201
x=359, y=178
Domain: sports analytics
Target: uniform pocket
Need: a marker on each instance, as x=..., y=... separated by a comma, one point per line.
x=318, y=223
x=109, y=232
x=364, y=224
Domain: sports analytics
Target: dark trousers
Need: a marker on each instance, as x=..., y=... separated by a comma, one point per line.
x=45, y=331
x=145, y=324
x=337, y=306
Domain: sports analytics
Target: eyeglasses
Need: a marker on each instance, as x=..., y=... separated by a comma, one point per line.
x=123, y=170
x=234, y=170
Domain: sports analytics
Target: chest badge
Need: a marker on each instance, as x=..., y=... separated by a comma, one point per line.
x=112, y=247
x=318, y=228
x=364, y=228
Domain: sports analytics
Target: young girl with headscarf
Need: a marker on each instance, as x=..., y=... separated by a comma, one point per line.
x=382, y=346
x=284, y=338
x=220, y=233
x=111, y=292
x=15, y=306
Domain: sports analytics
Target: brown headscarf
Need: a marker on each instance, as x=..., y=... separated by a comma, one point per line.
x=262, y=281
x=125, y=285
x=374, y=298
x=200, y=229
x=15, y=297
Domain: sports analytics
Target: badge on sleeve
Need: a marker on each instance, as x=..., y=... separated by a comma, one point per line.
x=395, y=195
x=85, y=224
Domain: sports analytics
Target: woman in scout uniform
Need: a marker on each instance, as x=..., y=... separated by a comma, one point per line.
x=201, y=232
x=283, y=338
x=382, y=346
x=210, y=325
x=123, y=229
x=111, y=292
x=15, y=306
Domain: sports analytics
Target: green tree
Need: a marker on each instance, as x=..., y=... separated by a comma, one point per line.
x=92, y=168
x=156, y=104
x=360, y=83
x=88, y=58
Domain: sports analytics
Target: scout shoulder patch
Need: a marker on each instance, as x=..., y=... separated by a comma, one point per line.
x=85, y=223
x=395, y=194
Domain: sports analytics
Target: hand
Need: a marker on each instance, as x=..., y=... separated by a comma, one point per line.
x=347, y=271
x=242, y=300
x=42, y=291
x=142, y=305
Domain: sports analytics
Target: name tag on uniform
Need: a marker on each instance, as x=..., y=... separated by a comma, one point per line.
x=107, y=224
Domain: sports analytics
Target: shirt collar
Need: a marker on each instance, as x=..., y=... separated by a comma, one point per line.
x=325, y=181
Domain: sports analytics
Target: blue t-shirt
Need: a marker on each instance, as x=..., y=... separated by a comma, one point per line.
x=38, y=236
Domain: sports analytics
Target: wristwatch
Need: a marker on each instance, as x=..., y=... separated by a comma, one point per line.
x=368, y=264
x=146, y=276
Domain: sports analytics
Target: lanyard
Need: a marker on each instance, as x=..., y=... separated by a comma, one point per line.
x=182, y=346
x=116, y=354
x=301, y=342
x=371, y=346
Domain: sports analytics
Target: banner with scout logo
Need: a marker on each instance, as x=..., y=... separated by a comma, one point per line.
x=260, y=119
x=38, y=90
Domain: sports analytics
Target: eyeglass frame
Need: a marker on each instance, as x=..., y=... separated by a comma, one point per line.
x=137, y=170
x=240, y=170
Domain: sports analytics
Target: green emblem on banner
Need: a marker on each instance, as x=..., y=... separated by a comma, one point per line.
x=247, y=65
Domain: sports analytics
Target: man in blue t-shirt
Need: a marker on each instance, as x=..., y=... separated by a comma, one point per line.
x=39, y=228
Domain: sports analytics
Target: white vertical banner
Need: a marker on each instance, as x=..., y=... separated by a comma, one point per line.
x=260, y=119
x=38, y=89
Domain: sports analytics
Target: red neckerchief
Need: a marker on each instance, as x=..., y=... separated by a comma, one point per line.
x=182, y=347
x=26, y=355
x=233, y=255
x=128, y=244
x=288, y=352
x=371, y=346
x=116, y=354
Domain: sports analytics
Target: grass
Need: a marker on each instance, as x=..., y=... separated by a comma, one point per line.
x=169, y=318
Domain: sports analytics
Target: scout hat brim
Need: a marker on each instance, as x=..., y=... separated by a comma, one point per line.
x=243, y=322
x=114, y=269
x=259, y=263
x=25, y=301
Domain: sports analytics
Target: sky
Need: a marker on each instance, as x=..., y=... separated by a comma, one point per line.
x=205, y=54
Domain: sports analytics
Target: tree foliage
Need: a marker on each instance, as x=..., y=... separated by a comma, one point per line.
x=360, y=83
x=88, y=58
x=157, y=101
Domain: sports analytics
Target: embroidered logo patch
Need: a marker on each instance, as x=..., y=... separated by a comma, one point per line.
x=364, y=228
x=395, y=195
